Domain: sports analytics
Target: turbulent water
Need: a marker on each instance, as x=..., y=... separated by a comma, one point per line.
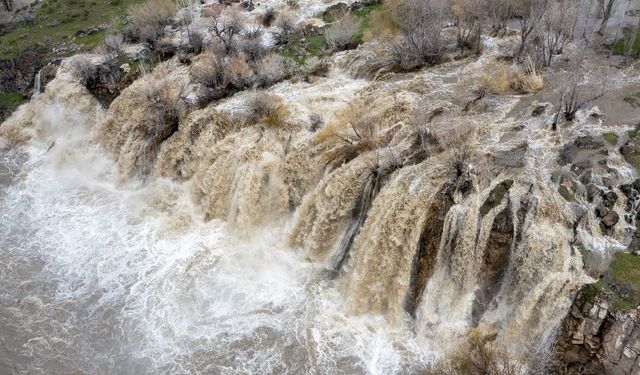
x=129, y=245
x=101, y=277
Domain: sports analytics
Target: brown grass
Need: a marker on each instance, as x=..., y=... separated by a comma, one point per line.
x=479, y=356
x=268, y=109
x=153, y=11
x=503, y=78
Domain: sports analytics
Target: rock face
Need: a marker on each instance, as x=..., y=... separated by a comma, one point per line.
x=595, y=339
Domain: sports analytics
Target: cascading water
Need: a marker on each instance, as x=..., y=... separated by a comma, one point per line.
x=134, y=240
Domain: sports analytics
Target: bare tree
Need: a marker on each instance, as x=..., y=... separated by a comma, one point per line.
x=500, y=12
x=606, y=7
x=529, y=14
x=342, y=34
x=469, y=16
x=8, y=5
x=556, y=29
x=420, y=24
x=227, y=23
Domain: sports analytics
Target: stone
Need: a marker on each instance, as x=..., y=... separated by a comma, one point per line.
x=601, y=210
x=567, y=188
x=610, y=219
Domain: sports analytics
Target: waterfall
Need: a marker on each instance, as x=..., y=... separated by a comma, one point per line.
x=159, y=237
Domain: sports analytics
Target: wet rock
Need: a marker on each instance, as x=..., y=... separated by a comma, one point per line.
x=538, y=110
x=595, y=339
x=608, y=182
x=601, y=210
x=495, y=196
x=47, y=74
x=581, y=166
x=567, y=188
x=610, y=219
x=586, y=177
x=569, y=152
x=592, y=192
x=587, y=142
x=513, y=158
x=631, y=151
x=609, y=199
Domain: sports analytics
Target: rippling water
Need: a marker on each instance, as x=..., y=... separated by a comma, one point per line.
x=101, y=278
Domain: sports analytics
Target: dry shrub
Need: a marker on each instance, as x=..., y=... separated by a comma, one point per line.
x=152, y=11
x=480, y=357
x=357, y=129
x=459, y=143
x=239, y=72
x=12, y=135
x=208, y=69
x=503, y=78
x=164, y=107
x=271, y=69
x=267, y=16
x=285, y=23
x=343, y=34
x=227, y=24
x=268, y=109
x=293, y=4
x=251, y=43
x=113, y=44
x=83, y=69
x=419, y=23
x=196, y=41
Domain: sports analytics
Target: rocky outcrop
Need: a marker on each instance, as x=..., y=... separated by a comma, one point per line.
x=596, y=339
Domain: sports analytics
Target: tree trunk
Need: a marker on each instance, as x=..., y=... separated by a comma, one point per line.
x=606, y=14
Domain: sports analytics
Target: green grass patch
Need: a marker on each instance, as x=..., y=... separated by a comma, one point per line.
x=634, y=132
x=364, y=14
x=11, y=100
x=611, y=137
x=622, y=45
x=58, y=21
x=622, y=281
x=302, y=48
x=625, y=273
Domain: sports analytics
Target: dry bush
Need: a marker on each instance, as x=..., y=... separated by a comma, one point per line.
x=419, y=23
x=148, y=20
x=419, y=120
x=293, y=4
x=239, y=72
x=315, y=122
x=469, y=17
x=459, y=143
x=285, y=23
x=267, y=16
x=164, y=108
x=480, y=357
x=556, y=30
x=271, y=69
x=227, y=24
x=356, y=130
x=503, y=78
x=343, y=34
x=83, y=69
x=196, y=41
x=208, y=69
x=152, y=12
x=268, y=109
x=12, y=135
x=251, y=43
x=113, y=44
